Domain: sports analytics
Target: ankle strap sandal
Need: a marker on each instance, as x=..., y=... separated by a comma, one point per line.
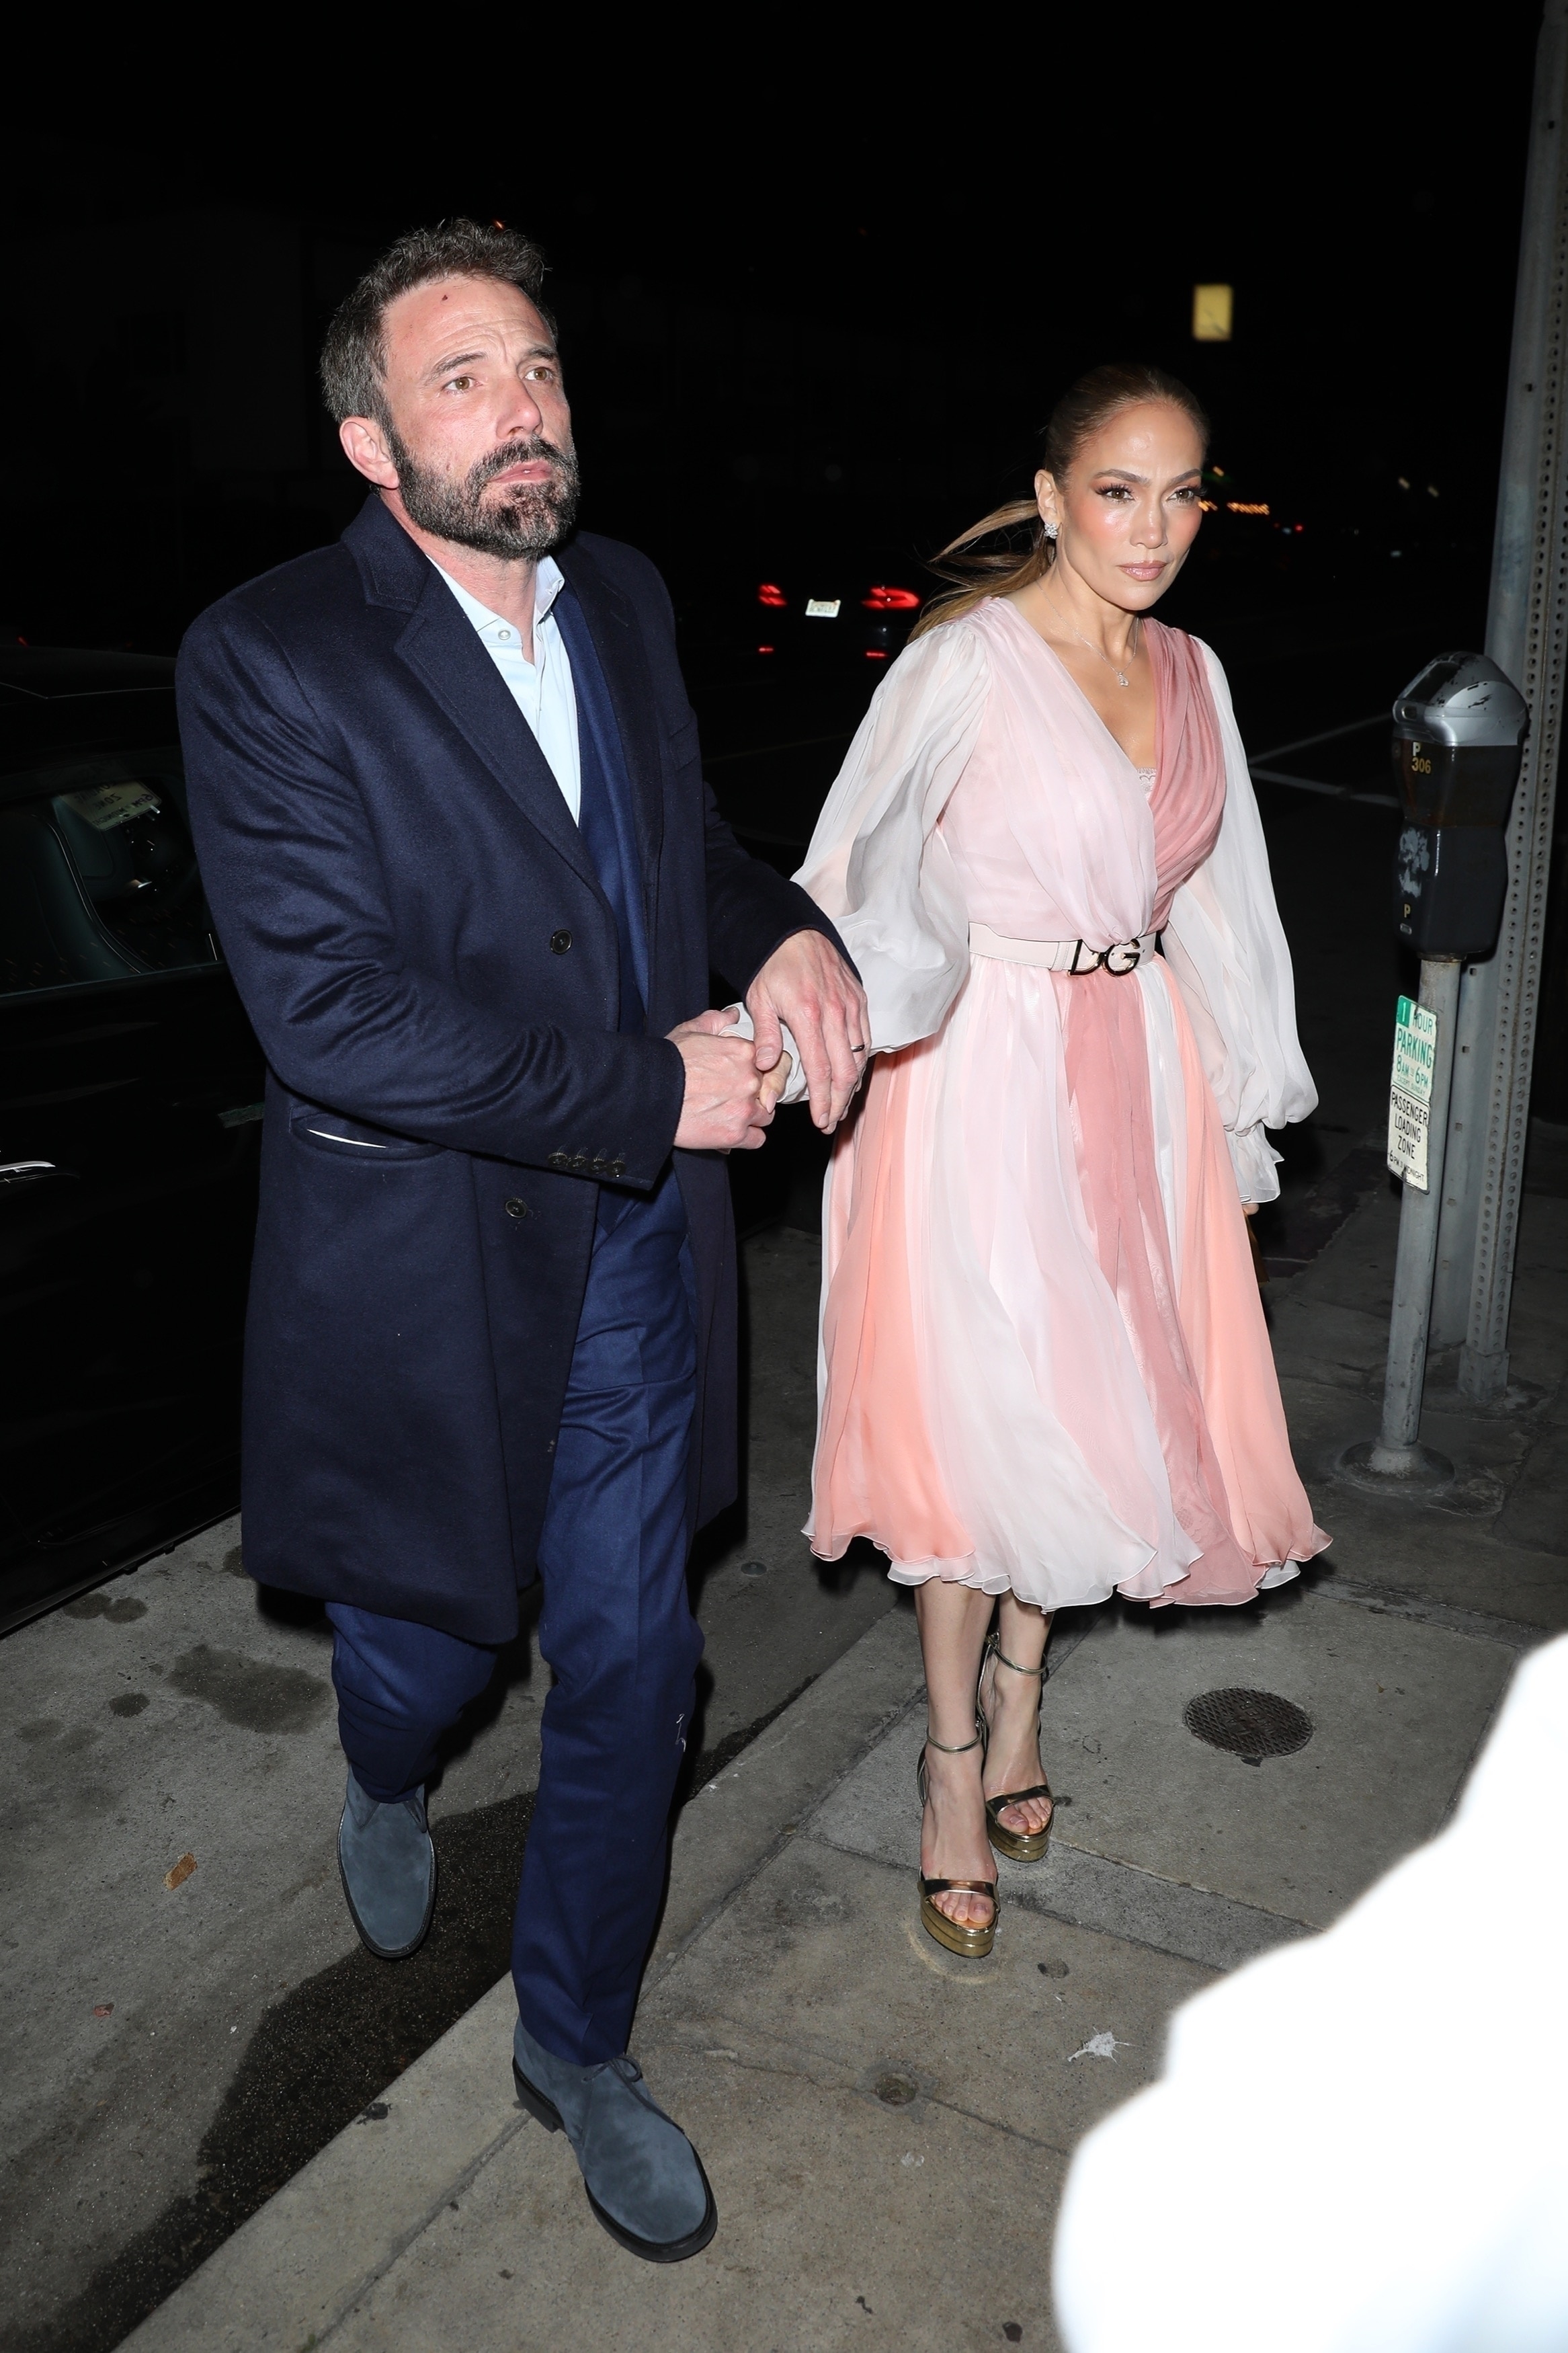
x=972, y=1942
x=1019, y=1846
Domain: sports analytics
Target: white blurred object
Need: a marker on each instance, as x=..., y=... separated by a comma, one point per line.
x=1360, y=2144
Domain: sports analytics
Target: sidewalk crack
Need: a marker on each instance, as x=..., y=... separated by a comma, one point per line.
x=851, y=2088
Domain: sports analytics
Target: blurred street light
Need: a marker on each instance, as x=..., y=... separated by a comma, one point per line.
x=1212, y=307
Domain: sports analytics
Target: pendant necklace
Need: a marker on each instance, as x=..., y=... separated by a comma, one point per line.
x=1119, y=675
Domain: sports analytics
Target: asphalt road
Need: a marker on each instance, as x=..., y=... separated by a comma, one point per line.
x=171, y=2053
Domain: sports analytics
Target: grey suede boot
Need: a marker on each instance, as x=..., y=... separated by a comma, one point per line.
x=644, y=2181
x=388, y=1867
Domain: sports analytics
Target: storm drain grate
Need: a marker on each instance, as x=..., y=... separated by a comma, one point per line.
x=1251, y=1723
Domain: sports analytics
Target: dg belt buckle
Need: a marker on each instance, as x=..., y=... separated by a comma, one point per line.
x=1129, y=952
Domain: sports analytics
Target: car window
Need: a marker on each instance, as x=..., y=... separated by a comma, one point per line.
x=98, y=873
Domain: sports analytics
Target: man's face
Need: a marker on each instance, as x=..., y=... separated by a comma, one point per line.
x=477, y=438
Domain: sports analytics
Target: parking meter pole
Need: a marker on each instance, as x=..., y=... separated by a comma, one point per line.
x=1394, y=1453
x=1525, y=624
x=1459, y=729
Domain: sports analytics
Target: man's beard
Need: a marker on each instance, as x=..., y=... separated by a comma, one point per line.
x=527, y=519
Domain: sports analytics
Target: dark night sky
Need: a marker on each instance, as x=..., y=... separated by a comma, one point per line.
x=735, y=221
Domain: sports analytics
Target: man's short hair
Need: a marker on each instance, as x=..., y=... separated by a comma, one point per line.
x=354, y=357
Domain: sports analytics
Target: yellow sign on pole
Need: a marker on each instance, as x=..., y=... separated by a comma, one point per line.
x=1211, y=314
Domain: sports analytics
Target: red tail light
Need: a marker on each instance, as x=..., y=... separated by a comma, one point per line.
x=768, y=594
x=765, y=650
x=891, y=600
x=875, y=653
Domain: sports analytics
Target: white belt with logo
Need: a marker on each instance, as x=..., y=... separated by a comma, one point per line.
x=1062, y=955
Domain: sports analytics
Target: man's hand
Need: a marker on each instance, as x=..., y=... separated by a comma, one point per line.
x=729, y=1104
x=775, y=1080
x=806, y=983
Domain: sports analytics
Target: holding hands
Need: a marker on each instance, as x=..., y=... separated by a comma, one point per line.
x=733, y=1083
x=730, y=1104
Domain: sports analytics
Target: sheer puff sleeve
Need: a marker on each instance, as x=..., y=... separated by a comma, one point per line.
x=1225, y=945
x=877, y=864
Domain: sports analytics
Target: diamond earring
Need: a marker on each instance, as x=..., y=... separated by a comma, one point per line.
x=1051, y=529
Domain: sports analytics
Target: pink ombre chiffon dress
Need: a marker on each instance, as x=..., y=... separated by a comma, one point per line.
x=1044, y=1363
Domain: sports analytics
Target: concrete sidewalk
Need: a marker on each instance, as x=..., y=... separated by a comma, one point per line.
x=172, y=2049
x=887, y=2127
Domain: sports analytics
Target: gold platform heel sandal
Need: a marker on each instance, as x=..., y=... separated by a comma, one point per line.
x=1019, y=1846
x=973, y=1944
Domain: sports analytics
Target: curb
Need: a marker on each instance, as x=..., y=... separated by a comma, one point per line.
x=290, y=2273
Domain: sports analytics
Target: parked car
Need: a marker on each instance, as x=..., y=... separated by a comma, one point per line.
x=834, y=613
x=131, y=1091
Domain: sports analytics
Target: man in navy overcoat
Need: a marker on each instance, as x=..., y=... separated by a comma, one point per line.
x=445, y=784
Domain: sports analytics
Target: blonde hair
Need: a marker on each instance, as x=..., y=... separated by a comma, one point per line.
x=978, y=572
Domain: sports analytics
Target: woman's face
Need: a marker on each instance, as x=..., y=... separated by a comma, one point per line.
x=1128, y=511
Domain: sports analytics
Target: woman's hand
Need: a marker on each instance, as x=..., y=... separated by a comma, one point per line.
x=806, y=985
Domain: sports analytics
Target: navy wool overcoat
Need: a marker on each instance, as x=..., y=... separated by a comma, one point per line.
x=422, y=946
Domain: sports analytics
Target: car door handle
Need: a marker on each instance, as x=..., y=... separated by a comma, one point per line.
x=23, y=1172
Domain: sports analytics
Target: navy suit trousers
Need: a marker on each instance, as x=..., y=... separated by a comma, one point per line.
x=616, y=1628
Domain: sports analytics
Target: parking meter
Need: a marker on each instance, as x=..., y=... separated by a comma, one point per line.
x=1458, y=743
x=1458, y=740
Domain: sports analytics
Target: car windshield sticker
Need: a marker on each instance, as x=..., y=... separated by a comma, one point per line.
x=106, y=805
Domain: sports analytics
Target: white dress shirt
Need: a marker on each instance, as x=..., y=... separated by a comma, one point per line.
x=543, y=691
x=542, y=688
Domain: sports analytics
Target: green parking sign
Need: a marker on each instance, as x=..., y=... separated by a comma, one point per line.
x=1410, y=1090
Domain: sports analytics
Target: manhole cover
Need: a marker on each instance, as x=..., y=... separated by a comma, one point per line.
x=1248, y=1722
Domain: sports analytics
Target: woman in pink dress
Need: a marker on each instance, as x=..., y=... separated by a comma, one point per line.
x=1044, y=1372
